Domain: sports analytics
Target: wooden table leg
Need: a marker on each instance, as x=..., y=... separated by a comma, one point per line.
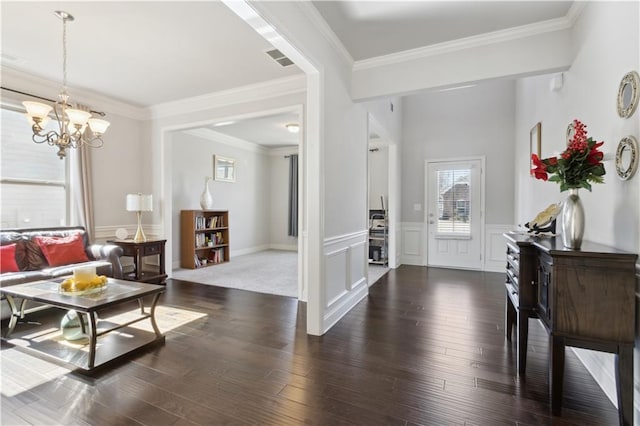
x=556, y=372
x=523, y=338
x=624, y=383
x=509, y=317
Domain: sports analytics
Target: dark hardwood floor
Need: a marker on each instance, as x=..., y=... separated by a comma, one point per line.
x=426, y=347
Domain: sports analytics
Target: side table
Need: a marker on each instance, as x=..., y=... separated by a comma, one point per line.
x=144, y=273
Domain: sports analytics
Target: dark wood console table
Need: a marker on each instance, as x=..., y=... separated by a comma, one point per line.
x=584, y=298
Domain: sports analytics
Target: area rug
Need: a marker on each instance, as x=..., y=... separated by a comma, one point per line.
x=269, y=271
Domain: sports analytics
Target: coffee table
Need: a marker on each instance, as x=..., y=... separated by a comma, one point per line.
x=117, y=337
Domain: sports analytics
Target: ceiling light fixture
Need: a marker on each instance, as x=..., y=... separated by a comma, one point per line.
x=293, y=127
x=72, y=122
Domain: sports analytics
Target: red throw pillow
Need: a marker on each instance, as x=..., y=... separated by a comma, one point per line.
x=61, y=251
x=8, y=259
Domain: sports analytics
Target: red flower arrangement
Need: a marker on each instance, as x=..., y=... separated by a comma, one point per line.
x=577, y=167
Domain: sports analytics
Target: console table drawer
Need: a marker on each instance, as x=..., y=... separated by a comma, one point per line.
x=149, y=250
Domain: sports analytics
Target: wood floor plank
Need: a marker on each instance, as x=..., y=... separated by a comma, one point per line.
x=426, y=347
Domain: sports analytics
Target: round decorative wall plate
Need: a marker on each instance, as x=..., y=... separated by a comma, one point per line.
x=121, y=234
x=628, y=94
x=627, y=157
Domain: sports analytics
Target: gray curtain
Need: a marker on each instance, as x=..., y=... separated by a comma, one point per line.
x=293, y=195
x=80, y=178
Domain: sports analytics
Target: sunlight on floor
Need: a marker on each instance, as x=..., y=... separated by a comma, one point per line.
x=168, y=318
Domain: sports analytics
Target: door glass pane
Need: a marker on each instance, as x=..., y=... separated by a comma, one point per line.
x=454, y=188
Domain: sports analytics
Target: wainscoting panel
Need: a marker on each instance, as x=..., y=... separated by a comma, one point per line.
x=413, y=251
x=337, y=268
x=495, y=247
x=358, y=258
x=345, y=283
x=104, y=233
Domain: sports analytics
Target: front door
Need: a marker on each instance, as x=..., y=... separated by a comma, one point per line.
x=454, y=213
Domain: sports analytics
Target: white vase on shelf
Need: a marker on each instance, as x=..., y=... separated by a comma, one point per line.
x=206, y=200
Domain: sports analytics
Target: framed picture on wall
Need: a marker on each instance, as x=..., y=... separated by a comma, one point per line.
x=535, y=144
x=224, y=169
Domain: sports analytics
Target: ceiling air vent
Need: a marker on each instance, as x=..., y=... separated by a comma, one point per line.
x=279, y=57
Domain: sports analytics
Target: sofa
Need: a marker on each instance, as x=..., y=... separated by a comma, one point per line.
x=28, y=255
x=49, y=253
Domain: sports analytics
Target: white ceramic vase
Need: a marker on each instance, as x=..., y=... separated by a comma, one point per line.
x=206, y=200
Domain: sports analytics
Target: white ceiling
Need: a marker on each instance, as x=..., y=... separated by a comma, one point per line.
x=268, y=130
x=375, y=28
x=142, y=53
x=151, y=52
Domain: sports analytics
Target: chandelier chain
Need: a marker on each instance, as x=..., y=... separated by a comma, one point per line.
x=64, y=53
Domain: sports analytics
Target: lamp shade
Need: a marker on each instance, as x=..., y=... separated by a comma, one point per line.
x=98, y=126
x=37, y=109
x=139, y=202
x=78, y=117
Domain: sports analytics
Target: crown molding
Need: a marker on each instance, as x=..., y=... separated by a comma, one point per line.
x=316, y=18
x=212, y=135
x=13, y=78
x=249, y=93
x=283, y=150
x=500, y=36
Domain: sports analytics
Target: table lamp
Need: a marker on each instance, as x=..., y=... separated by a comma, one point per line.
x=139, y=203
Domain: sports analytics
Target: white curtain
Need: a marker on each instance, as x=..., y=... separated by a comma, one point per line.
x=81, y=184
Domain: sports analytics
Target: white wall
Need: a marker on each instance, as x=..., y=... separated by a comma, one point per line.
x=476, y=121
x=606, y=45
x=248, y=199
x=335, y=162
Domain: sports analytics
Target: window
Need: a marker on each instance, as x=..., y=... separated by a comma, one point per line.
x=34, y=184
x=453, y=201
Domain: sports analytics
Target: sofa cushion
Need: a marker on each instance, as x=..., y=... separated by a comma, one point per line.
x=31, y=257
x=61, y=251
x=12, y=278
x=8, y=259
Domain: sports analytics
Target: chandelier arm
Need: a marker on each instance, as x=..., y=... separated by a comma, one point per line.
x=95, y=142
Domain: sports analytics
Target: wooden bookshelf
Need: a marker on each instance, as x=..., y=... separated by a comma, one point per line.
x=204, y=238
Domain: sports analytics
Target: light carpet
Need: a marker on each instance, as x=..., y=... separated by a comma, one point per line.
x=269, y=271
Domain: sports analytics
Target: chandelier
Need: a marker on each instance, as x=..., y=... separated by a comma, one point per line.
x=72, y=123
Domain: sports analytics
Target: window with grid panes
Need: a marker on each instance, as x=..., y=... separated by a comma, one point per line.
x=34, y=182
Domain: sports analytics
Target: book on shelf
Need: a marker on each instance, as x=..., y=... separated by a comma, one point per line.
x=216, y=256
